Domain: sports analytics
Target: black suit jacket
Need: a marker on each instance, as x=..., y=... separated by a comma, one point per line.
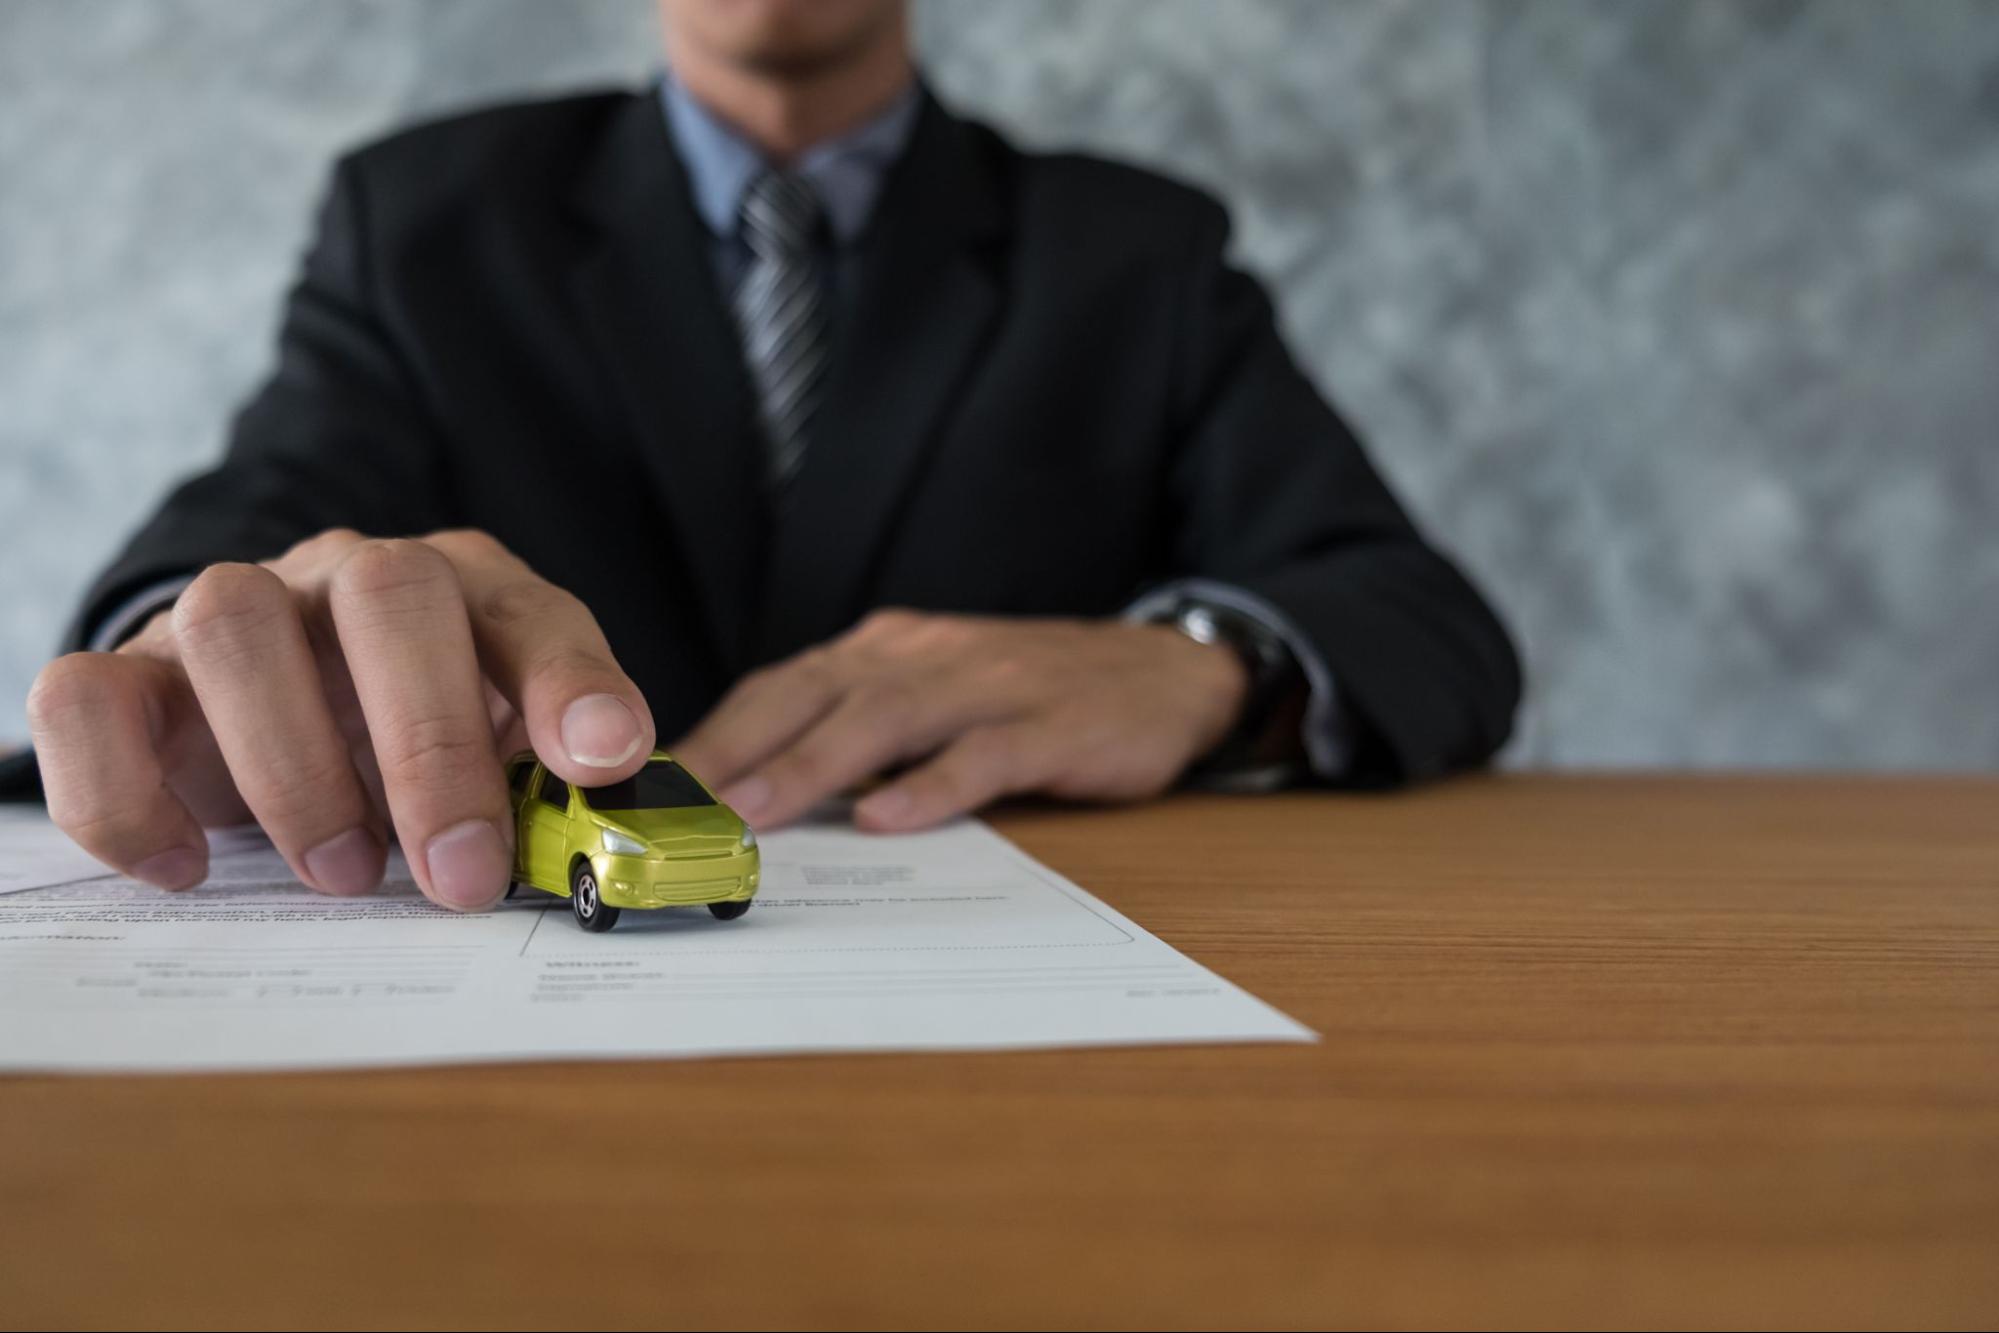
x=1052, y=392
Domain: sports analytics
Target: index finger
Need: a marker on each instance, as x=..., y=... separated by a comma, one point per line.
x=97, y=720
x=546, y=653
x=765, y=712
x=400, y=616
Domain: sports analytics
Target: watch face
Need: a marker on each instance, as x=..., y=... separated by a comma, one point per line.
x=1212, y=624
x=1198, y=622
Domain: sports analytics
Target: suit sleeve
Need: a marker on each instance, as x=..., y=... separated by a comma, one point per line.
x=1277, y=498
x=336, y=437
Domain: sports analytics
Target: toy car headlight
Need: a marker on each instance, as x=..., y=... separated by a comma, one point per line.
x=749, y=837
x=615, y=841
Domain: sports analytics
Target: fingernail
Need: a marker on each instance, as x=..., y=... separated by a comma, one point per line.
x=887, y=806
x=598, y=731
x=181, y=868
x=748, y=796
x=347, y=864
x=468, y=865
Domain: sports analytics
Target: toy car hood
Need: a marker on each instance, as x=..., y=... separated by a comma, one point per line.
x=707, y=830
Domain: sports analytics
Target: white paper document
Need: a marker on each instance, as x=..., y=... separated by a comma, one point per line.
x=947, y=940
x=34, y=852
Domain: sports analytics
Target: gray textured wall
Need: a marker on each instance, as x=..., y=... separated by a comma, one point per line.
x=1678, y=321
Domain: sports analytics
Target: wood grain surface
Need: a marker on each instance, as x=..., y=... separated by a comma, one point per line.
x=1598, y=1051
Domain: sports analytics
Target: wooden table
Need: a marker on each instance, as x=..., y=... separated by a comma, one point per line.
x=1598, y=1051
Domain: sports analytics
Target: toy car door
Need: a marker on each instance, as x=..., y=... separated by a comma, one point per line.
x=545, y=834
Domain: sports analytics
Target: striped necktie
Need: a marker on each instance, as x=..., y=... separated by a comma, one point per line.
x=780, y=316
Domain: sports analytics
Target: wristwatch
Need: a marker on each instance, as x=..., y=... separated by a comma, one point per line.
x=1265, y=748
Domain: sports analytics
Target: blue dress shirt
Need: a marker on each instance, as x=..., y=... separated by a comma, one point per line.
x=846, y=173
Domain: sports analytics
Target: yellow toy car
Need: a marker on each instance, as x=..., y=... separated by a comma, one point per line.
x=657, y=839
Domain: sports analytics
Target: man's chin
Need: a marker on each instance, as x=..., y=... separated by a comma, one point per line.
x=802, y=57
x=798, y=42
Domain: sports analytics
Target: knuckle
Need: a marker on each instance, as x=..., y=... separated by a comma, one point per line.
x=332, y=541
x=386, y=568
x=524, y=601
x=72, y=684
x=435, y=750
x=310, y=786
x=816, y=669
x=93, y=822
x=884, y=703
x=950, y=631
x=472, y=543
x=1003, y=667
x=226, y=600
x=572, y=666
x=888, y=621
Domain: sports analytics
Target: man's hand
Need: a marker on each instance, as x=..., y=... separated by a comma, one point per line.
x=347, y=684
x=1084, y=710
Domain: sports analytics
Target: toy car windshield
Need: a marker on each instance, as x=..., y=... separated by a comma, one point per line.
x=660, y=785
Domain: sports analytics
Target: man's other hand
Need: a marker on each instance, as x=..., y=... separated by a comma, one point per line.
x=347, y=685
x=1083, y=710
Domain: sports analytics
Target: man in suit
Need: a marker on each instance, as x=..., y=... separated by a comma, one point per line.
x=778, y=412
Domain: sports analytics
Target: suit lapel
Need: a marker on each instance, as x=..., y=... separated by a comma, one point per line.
x=926, y=300
x=651, y=302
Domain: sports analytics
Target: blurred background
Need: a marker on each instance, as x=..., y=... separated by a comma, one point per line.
x=1677, y=322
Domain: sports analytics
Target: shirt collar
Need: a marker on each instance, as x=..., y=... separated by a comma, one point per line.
x=847, y=171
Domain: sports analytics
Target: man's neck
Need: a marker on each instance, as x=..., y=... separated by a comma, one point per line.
x=786, y=115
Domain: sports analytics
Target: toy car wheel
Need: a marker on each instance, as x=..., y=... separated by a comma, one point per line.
x=591, y=913
x=728, y=911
